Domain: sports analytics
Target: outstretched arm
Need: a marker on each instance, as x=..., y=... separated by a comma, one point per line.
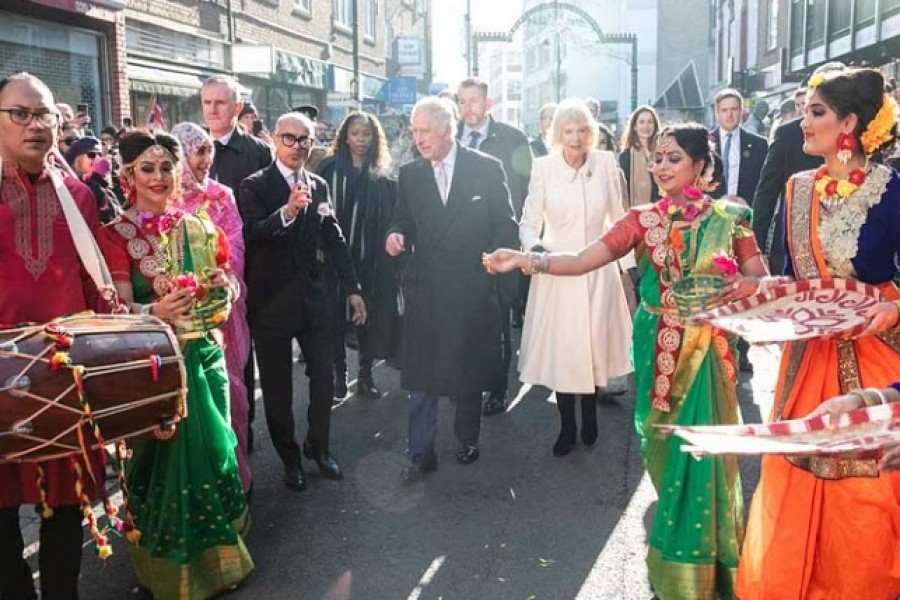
x=591, y=257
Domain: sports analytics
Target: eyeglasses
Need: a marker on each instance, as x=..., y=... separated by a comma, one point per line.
x=23, y=116
x=290, y=140
x=92, y=155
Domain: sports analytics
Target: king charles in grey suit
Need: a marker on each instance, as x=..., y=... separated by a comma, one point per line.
x=453, y=204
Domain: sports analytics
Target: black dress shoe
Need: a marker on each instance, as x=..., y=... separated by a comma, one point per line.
x=419, y=466
x=496, y=404
x=365, y=386
x=328, y=466
x=467, y=454
x=294, y=478
x=340, y=387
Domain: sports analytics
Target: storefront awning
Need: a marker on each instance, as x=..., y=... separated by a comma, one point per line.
x=162, y=83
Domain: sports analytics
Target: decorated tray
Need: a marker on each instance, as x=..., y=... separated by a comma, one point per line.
x=797, y=311
x=861, y=432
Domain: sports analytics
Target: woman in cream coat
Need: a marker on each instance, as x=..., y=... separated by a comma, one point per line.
x=577, y=329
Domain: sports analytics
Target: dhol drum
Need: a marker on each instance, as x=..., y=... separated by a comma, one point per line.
x=77, y=382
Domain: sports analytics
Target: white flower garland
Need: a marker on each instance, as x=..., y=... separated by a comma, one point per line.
x=839, y=228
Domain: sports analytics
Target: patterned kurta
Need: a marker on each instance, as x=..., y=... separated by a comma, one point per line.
x=41, y=278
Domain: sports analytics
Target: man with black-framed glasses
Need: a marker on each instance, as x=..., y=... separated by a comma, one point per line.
x=293, y=243
x=41, y=278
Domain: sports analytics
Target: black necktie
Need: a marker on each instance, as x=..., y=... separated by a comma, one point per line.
x=473, y=139
x=220, y=151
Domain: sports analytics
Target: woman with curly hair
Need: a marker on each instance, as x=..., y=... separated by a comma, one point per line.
x=823, y=527
x=358, y=173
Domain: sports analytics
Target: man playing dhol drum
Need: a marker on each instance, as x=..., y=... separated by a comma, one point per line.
x=41, y=278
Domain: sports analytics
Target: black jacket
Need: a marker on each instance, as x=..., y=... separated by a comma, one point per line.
x=785, y=157
x=243, y=156
x=538, y=147
x=364, y=220
x=286, y=276
x=753, y=154
x=511, y=147
x=452, y=320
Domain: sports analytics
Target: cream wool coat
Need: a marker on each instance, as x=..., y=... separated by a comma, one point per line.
x=577, y=330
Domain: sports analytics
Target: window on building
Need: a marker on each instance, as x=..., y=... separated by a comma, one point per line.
x=890, y=6
x=865, y=12
x=815, y=24
x=772, y=33
x=838, y=18
x=513, y=87
x=796, y=41
x=343, y=12
x=302, y=5
x=371, y=11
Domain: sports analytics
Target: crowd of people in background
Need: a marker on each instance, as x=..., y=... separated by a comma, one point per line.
x=433, y=252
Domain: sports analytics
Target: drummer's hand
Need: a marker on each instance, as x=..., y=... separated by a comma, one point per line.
x=890, y=460
x=359, y=309
x=837, y=406
x=881, y=317
x=737, y=287
x=503, y=260
x=173, y=305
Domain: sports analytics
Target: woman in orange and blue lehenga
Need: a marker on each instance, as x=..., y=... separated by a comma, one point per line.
x=824, y=528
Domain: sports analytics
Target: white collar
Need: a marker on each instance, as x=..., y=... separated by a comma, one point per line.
x=449, y=161
x=226, y=138
x=287, y=172
x=735, y=134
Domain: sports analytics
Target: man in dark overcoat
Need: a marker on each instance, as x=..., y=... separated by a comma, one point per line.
x=453, y=204
x=480, y=131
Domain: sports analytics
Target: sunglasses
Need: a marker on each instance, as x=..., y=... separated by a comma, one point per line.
x=92, y=154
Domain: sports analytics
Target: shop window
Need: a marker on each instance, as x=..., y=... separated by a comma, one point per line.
x=890, y=6
x=865, y=12
x=371, y=11
x=67, y=59
x=797, y=15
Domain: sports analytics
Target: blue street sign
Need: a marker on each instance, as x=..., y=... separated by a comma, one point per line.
x=402, y=90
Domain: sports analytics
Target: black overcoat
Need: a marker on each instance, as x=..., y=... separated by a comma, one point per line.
x=452, y=305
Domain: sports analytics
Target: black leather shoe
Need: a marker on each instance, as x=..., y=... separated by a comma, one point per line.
x=294, y=478
x=340, y=387
x=496, y=404
x=365, y=386
x=328, y=466
x=419, y=466
x=467, y=454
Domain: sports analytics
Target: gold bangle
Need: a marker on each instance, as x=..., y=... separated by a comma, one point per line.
x=867, y=396
x=882, y=399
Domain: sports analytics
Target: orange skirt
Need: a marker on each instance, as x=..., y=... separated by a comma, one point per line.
x=822, y=539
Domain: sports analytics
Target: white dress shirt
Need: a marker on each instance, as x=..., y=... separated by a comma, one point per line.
x=448, y=164
x=482, y=133
x=291, y=177
x=734, y=158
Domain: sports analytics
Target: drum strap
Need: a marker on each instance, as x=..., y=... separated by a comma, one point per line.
x=85, y=244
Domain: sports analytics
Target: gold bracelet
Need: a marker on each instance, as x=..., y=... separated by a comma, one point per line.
x=867, y=396
x=882, y=399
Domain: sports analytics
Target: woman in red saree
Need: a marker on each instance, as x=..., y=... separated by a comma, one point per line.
x=829, y=528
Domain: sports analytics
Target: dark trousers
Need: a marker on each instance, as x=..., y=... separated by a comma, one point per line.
x=59, y=558
x=363, y=345
x=423, y=420
x=506, y=345
x=274, y=359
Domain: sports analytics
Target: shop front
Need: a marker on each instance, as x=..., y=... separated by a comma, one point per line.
x=294, y=80
x=67, y=46
x=158, y=75
x=340, y=87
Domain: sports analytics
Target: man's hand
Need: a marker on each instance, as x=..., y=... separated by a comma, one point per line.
x=359, y=309
x=395, y=244
x=297, y=201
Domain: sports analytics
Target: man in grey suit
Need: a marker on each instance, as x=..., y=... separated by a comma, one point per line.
x=453, y=204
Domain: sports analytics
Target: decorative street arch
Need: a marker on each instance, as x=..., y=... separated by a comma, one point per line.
x=556, y=6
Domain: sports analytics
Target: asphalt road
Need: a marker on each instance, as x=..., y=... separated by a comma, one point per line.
x=518, y=524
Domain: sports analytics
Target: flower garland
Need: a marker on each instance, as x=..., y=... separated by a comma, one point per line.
x=831, y=188
x=839, y=228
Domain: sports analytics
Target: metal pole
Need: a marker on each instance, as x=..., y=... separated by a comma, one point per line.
x=634, y=74
x=558, y=54
x=354, y=84
x=470, y=47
